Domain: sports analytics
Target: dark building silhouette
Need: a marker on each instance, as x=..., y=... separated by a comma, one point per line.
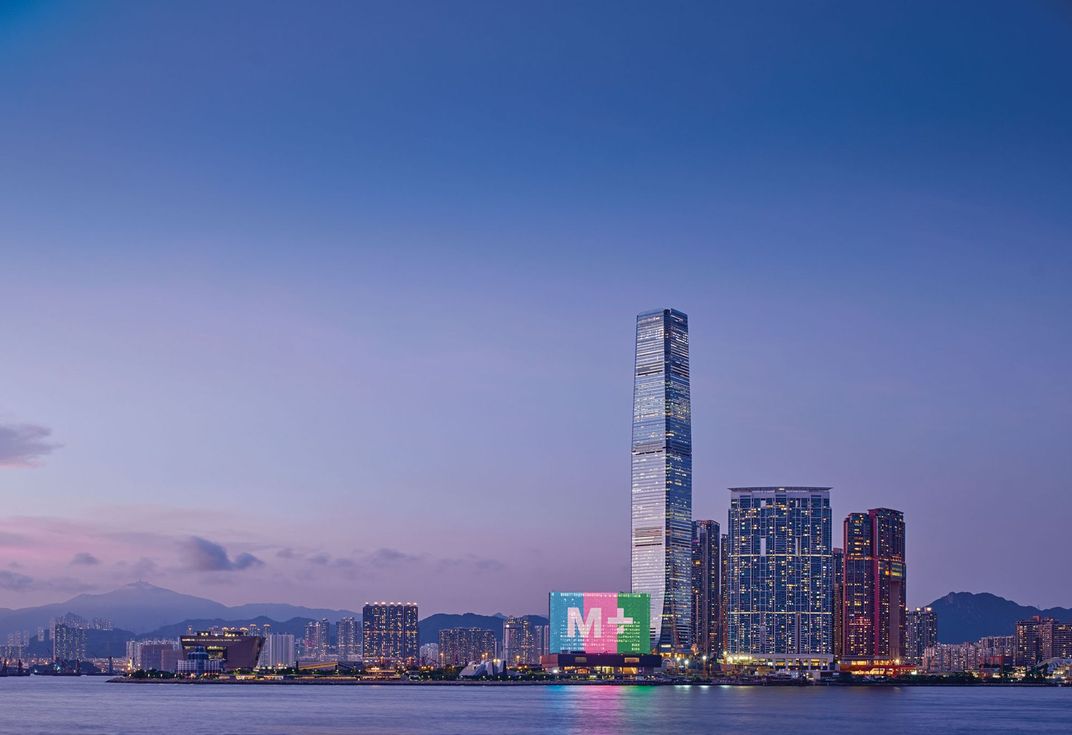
x=706, y=592
x=839, y=598
x=724, y=593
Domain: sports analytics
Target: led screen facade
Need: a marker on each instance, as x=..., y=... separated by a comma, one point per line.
x=600, y=622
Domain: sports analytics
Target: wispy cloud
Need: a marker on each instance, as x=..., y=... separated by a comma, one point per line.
x=15, y=581
x=202, y=555
x=84, y=559
x=23, y=445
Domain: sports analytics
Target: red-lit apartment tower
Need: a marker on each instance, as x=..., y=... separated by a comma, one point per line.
x=873, y=592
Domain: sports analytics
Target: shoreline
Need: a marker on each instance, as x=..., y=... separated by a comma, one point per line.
x=494, y=683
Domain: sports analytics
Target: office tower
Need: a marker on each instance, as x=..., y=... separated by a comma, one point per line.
x=463, y=646
x=839, y=600
x=389, y=633
x=780, y=577
x=278, y=652
x=317, y=637
x=1039, y=639
x=520, y=644
x=348, y=639
x=874, y=587
x=706, y=593
x=68, y=642
x=921, y=633
x=661, y=558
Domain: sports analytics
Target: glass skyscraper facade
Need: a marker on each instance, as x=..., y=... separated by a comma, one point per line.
x=661, y=559
x=780, y=576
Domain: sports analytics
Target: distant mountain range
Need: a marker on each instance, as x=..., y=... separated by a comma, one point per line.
x=149, y=611
x=141, y=607
x=968, y=616
x=145, y=611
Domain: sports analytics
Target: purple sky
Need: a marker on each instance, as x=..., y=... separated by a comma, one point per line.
x=331, y=305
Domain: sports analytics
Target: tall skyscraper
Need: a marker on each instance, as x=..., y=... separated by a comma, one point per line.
x=348, y=639
x=780, y=577
x=874, y=587
x=661, y=558
x=921, y=633
x=706, y=592
x=389, y=633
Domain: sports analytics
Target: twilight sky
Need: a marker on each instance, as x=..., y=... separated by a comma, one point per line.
x=331, y=302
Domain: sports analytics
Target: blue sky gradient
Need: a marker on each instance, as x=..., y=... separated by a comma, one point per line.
x=361, y=279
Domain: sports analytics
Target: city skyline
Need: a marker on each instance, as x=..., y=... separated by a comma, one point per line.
x=341, y=307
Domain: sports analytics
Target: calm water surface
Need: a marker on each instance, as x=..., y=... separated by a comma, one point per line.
x=90, y=705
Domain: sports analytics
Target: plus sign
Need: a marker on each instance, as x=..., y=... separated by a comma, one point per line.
x=620, y=620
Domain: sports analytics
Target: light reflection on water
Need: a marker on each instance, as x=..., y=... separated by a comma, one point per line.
x=42, y=705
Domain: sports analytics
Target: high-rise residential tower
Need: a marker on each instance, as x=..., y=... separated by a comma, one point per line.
x=780, y=577
x=317, y=639
x=874, y=582
x=706, y=594
x=463, y=646
x=348, y=639
x=520, y=645
x=390, y=634
x=661, y=558
x=921, y=633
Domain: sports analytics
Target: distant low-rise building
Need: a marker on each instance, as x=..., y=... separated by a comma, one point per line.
x=198, y=662
x=235, y=649
x=989, y=652
x=153, y=656
x=1039, y=639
